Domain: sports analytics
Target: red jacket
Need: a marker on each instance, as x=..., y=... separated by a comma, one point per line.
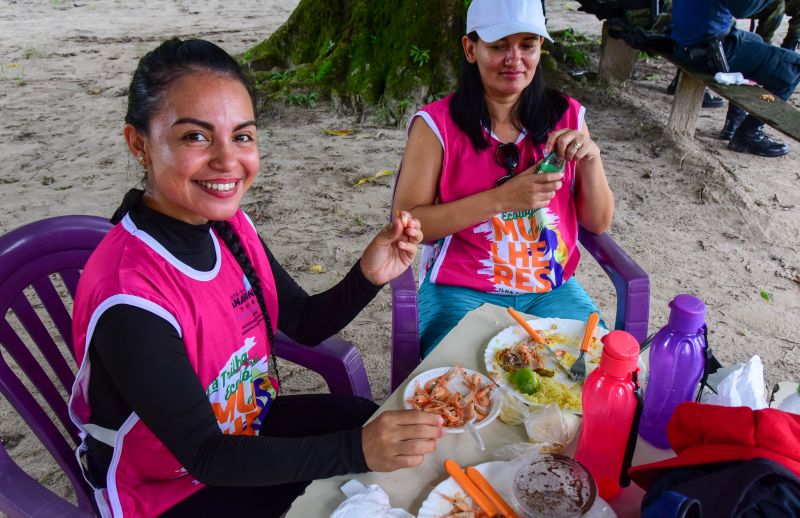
x=707, y=434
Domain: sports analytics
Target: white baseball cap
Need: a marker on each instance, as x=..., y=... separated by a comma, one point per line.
x=495, y=19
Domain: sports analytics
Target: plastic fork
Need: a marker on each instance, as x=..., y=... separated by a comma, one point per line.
x=578, y=369
x=470, y=426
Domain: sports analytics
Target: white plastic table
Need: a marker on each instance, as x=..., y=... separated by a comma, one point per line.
x=408, y=488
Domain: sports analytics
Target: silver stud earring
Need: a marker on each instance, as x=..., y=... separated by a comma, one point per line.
x=140, y=158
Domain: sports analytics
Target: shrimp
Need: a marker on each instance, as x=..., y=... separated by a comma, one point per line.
x=456, y=407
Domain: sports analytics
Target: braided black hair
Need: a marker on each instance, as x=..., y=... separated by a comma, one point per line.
x=231, y=240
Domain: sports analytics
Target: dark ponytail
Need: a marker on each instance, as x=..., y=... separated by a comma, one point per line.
x=132, y=198
x=231, y=240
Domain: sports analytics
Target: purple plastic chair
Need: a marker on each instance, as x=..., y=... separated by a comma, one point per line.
x=631, y=283
x=34, y=255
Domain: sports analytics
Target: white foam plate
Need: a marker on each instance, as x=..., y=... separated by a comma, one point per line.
x=456, y=383
x=567, y=335
x=500, y=475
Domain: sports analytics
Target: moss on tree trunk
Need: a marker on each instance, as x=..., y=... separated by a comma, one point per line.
x=390, y=53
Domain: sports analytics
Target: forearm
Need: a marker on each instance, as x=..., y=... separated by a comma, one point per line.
x=147, y=362
x=236, y=460
x=440, y=220
x=594, y=199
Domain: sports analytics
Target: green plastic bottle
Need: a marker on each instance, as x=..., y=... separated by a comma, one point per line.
x=551, y=163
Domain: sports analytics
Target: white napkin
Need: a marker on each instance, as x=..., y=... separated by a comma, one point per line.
x=732, y=78
x=739, y=385
x=366, y=502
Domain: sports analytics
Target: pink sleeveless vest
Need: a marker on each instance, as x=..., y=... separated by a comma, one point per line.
x=531, y=251
x=217, y=316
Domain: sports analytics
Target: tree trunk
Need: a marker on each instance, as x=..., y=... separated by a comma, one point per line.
x=390, y=53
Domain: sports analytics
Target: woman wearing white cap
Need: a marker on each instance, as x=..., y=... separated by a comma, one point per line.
x=498, y=232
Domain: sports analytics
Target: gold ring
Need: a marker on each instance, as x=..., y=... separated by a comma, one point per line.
x=576, y=145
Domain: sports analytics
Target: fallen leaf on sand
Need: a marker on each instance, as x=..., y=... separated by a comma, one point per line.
x=365, y=179
x=316, y=268
x=337, y=133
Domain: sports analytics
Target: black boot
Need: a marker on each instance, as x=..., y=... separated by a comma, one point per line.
x=673, y=85
x=750, y=138
x=734, y=117
x=712, y=101
x=790, y=43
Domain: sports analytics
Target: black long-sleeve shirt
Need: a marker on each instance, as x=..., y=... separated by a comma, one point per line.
x=139, y=364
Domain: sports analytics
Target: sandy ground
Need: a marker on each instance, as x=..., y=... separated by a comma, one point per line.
x=700, y=219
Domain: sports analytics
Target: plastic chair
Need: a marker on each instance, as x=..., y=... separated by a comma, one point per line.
x=629, y=279
x=31, y=256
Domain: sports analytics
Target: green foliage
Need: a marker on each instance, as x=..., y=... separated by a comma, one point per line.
x=307, y=100
x=570, y=48
x=324, y=69
x=435, y=96
x=279, y=75
x=419, y=56
x=579, y=57
x=764, y=295
x=31, y=52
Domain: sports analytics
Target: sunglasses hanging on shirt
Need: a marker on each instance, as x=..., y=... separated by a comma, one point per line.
x=507, y=157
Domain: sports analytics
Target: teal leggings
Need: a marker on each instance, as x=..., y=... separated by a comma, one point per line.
x=442, y=307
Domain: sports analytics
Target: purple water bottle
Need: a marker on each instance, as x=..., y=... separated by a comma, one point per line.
x=677, y=360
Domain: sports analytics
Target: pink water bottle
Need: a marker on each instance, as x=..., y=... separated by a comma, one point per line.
x=612, y=403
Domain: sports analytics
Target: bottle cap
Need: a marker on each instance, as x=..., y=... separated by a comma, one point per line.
x=687, y=314
x=620, y=354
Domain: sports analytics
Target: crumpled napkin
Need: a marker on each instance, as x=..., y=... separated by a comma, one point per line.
x=732, y=78
x=739, y=385
x=366, y=502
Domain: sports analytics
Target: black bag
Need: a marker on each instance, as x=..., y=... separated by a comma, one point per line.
x=755, y=488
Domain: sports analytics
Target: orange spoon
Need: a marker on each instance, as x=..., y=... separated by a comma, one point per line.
x=521, y=321
x=471, y=489
x=489, y=491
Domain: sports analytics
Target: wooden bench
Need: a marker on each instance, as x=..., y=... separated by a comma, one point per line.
x=616, y=64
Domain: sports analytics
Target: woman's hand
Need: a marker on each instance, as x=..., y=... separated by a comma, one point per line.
x=528, y=190
x=393, y=250
x=571, y=144
x=400, y=439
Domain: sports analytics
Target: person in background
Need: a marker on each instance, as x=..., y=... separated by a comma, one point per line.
x=176, y=313
x=702, y=29
x=497, y=231
x=769, y=19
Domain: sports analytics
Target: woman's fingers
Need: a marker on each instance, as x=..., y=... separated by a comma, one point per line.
x=553, y=138
x=400, y=438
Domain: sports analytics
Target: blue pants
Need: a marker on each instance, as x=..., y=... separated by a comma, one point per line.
x=774, y=68
x=442, y=307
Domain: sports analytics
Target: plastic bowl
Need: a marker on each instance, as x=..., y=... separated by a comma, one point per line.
x=554, y=486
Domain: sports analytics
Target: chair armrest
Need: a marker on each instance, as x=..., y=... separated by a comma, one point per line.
x=405, y=327
x=629, y=279
x=22, y=496
x=337, y=361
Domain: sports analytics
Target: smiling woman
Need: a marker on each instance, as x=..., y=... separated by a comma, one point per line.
x=200, y=153
x=500, y=229
x=174, y=333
